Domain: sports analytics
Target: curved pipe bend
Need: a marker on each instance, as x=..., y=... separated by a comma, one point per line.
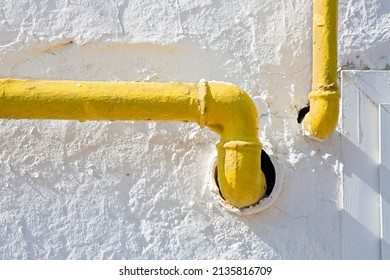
x=224, y=108
x=321, y=120
x=231, y=113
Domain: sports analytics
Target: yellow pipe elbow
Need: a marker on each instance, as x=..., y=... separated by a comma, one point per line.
x=321, y=120
x=223, y=108
x=233, y=115
x=324, y=98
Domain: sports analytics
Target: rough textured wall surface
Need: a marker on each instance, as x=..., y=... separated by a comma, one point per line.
x=139, y=190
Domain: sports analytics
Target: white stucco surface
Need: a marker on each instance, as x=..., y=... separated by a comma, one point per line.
x=139, y=190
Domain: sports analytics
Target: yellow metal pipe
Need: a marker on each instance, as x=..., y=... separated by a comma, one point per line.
x=224, y=108
x=324, y=97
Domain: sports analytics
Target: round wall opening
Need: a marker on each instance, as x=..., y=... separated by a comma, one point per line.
x=272, y=188
x=302, y=113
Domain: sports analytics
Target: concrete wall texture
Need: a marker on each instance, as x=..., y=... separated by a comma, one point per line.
x=139, y=190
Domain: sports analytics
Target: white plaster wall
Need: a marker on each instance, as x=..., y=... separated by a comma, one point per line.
x=139, y=190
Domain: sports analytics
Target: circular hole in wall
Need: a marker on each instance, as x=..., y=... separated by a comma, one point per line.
x=302, y=113
x=272, y=188
x=269, y=172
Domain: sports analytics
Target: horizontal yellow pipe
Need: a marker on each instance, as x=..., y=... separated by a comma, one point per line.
x=324, y=97
x=224, y=108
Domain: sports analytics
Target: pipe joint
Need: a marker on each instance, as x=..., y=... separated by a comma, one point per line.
x=203, y=92
x=241, y=181
x=325, y=92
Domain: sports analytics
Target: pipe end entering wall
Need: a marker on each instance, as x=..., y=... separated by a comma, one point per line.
x=301, y=115
x=273, y=188
x=319, y=119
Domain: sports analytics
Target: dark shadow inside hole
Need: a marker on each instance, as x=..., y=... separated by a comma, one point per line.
x=216, y=181
x=269, y=172
x=302, y=113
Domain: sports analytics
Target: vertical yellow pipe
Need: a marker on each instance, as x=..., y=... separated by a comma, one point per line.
x=324, y=97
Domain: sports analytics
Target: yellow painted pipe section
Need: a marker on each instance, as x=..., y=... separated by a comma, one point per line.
x=324, y=97
x=224, y=108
